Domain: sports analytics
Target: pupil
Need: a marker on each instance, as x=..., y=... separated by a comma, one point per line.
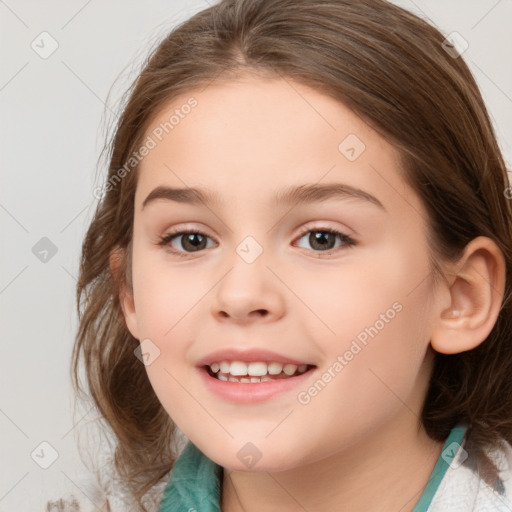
x=318, y=239
x=195, y=240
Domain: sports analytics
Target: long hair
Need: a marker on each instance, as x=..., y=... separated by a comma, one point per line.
x=391, y=69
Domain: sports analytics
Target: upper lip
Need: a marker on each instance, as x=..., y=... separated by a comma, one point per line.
x=247, y=356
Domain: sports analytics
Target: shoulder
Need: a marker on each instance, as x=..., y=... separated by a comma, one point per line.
x=106, y=494
x=464, y=488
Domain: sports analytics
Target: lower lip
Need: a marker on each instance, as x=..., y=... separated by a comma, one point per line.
x=246, y=392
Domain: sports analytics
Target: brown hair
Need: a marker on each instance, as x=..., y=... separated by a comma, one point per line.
x=390, y=68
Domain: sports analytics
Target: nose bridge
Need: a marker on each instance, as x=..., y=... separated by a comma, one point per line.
x=248, y=286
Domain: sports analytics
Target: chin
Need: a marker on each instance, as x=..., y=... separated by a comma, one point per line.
x=253, y=457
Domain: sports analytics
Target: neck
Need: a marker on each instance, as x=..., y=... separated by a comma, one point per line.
x=386, y=470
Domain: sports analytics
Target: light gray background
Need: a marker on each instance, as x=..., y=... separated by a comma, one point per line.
x=52, y=130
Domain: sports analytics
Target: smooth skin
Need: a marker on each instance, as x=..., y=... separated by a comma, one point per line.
x=357, y=444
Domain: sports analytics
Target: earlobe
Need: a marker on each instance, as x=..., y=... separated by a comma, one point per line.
x=476, y=294
x=125, y=293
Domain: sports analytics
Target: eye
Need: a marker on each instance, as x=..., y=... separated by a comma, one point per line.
x=190, y=241
x=322, y=239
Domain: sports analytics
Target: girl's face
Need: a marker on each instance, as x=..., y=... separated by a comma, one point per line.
x=310, y=247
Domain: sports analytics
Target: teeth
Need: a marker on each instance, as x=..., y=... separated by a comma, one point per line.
x=238, y=368
x=290, y=369
x=247, y=380
x=257, y=369
x=275, y=368
x=253, y=371
x=224, y=367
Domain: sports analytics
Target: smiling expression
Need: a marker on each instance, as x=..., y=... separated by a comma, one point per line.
x=300, y=235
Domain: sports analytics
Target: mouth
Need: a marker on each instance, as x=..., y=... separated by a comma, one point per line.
x=236, y=381
x=253, y=375
x=255, y=372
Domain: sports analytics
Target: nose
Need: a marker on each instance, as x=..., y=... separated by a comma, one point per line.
x=248, y=292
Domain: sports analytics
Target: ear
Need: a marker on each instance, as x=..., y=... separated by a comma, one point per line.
x=476, y=293
x=125, y=292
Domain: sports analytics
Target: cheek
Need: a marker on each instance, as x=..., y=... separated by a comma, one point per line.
x=166, y=303
x=377, y=316
x=373, y=375
x=365, y=289
x=163, y=298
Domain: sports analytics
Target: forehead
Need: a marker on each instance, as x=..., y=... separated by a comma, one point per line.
x=250, y=138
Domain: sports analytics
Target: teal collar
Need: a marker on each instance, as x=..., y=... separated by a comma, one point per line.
x=447, y=456
x=196, y=481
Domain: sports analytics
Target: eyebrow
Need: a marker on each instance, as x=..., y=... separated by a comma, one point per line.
x=294, y=195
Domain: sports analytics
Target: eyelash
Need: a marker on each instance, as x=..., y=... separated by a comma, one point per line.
x=347, y=240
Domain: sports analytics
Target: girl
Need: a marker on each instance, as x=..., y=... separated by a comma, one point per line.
x=301, y=260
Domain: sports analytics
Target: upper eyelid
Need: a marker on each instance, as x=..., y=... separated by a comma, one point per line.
x=165, y=239
x=307, y=227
